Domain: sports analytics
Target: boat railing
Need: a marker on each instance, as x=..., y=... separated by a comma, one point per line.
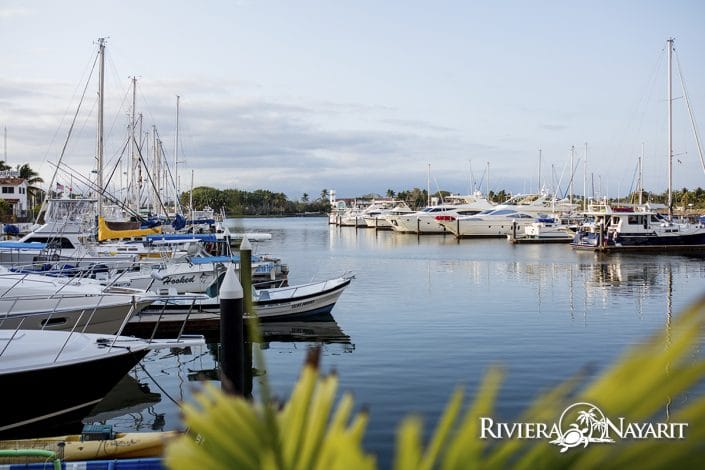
x=89, y=310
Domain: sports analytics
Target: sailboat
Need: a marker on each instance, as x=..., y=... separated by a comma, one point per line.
x=640, y=228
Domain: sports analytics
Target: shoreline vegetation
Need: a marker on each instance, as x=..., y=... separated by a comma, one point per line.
x=264, y=203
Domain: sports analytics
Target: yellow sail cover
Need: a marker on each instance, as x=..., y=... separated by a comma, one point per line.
x=106, y=233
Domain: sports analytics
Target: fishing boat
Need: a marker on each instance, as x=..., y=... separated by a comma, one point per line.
x=76, y=370
x=201, y=312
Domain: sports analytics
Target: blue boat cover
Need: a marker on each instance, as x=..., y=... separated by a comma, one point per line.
x=153, y=463
x=204, y=237
x=23, y=245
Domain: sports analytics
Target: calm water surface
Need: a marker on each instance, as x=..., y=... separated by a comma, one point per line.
x=426, y=314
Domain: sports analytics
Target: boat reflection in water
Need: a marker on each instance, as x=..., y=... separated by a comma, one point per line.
x=131, y=396
x=323, y=331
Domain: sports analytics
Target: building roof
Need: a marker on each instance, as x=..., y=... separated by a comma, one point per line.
x=12, y=181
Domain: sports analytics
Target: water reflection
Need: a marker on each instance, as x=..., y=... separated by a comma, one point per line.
x=130, y=397
x=325, y=331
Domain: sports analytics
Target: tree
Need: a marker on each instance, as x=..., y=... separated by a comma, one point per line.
x=324, y=194
x=32, y=177
x=304, y=198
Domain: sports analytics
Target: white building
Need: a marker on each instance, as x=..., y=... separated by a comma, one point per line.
x=13, y=190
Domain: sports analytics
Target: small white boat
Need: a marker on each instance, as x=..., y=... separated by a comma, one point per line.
x=544, y=230
x=303, y=301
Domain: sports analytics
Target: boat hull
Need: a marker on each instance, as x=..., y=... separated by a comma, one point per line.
x=73, y=390
x=641, y=242
x=204, y=315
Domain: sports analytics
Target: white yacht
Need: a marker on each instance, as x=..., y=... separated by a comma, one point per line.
x=376, y=218
x=424, y=221
x=493, y=223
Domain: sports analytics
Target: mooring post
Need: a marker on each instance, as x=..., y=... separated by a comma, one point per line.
x=232, y=355
x=246, y=274
x=514, y=230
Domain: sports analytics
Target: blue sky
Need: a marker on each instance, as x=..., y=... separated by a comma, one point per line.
x=361, y=96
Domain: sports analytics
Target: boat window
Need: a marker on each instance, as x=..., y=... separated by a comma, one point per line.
x=504, y=212
x=633, y=220
x=52, y=242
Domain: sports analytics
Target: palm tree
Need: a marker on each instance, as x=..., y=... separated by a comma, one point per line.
x=4, y=166
x=32, y=177
x=324, y=194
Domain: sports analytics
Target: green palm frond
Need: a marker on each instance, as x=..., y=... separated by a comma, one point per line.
x=646, y=384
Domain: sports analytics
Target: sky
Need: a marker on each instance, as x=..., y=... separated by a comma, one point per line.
x=362, y=96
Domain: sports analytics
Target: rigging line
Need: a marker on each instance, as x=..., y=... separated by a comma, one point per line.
x=91, y=185
x=68, y=137
x=171, y=176
x=149, y=175
x=690, y=112
x=158, y=386
x=112, y=173
x=63, y=118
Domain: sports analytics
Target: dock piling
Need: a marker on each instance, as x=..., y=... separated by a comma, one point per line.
x=232, y=341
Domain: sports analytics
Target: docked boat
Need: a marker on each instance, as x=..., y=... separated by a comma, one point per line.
x=83, y=447
x=378, y=220
x=424, y=221
x=32, y=301
x=76, y=370
x=302, y=301
x=544, y=230
x=636, y=229
x=494, y=223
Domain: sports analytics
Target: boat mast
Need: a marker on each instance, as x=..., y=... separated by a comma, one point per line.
x=176, y=159
x=641, y=174
x=101, y=86
x=670, y=131
x=570, y=190
x=134, y=190
x=539, y=188
x=585, y=180
x=428, y=186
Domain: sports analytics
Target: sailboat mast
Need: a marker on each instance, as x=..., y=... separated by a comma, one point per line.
x=134, y=194
x=176, y=158
x=101, y=86
x=670, y=130
x=585, y=180
x=539, y=188
x=641, y=174
x=570, y=191
x=428, y=186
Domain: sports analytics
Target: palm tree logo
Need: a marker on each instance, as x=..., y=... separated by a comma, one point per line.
x=589, y=425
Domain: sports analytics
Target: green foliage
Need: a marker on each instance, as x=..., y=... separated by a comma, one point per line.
x=643, y=385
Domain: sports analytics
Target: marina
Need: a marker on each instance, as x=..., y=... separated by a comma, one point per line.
x=177, y=291
x=437, y=312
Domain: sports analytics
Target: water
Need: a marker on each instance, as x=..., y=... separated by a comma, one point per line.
x=427, y=314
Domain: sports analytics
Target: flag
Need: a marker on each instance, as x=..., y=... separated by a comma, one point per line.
x=59, y=187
